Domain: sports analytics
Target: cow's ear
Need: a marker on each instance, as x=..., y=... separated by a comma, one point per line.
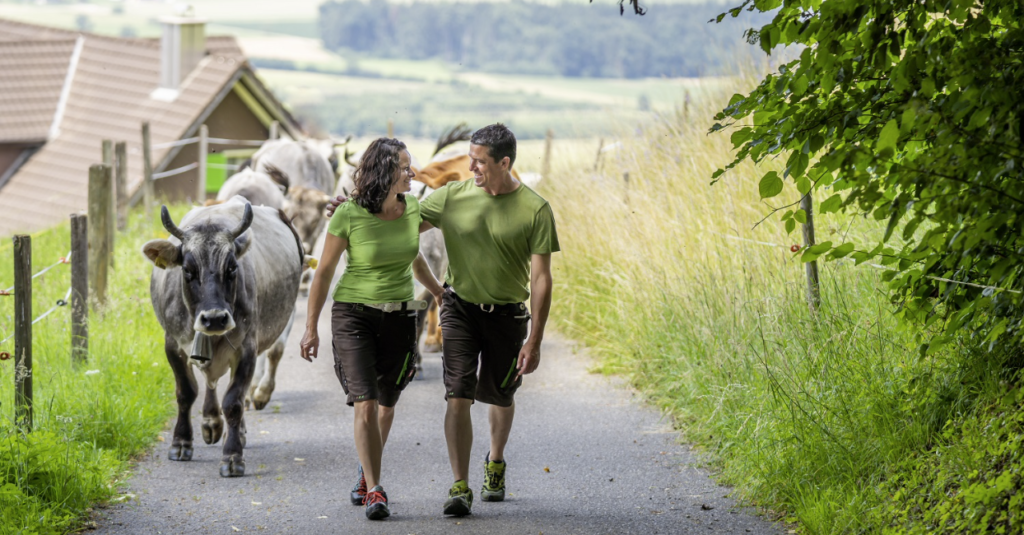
x=162, y=253
x=242, y=243
x=450, y=176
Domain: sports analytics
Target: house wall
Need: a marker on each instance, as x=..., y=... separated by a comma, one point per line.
x=9, y=152
x=232, y=119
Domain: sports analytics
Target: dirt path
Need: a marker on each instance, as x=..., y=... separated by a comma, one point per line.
x=584, y=458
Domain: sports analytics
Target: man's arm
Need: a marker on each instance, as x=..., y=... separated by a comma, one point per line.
x=540, y=305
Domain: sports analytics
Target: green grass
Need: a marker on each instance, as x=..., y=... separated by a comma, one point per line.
x=819, y=418
x=90, y=418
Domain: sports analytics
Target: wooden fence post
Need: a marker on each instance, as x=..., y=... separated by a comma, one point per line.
x=147, y=172
x=204, y=135
x=275, y=130
x=391, y=128
x=108, y=159
x=79, y=287
x=597, y=160
x=99, y=222
x=813, y=289
x=121, y=179
x=625, y=183
x=545, y=166
x=23, y=332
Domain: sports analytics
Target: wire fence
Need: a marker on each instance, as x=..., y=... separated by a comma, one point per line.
x=9, y=292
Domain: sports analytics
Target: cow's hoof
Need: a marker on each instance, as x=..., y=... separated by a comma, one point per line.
x=180, y=452
x=233, y=466
x=431, y=347
x=261, y=398
x=213, y=429
x=419, y=373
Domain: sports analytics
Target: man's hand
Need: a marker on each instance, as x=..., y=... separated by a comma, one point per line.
x=333, y=204
x=529, y=358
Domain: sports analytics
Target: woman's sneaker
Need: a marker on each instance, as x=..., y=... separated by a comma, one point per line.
x=460, y=499
x=358, y=494
x=494, y=480
x=377, y=504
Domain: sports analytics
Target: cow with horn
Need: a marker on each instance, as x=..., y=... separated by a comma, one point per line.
x=223, y=288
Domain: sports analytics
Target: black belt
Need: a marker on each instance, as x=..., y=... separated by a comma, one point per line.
x=507, y=309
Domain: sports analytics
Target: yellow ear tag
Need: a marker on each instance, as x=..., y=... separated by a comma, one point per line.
x=312, y=262
x=160, y=262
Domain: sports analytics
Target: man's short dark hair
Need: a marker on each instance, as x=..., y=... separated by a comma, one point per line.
x=499, y=140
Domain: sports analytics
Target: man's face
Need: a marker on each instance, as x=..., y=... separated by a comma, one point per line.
x=486, y=171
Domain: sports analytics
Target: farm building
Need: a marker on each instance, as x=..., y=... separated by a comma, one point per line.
x=63, y=92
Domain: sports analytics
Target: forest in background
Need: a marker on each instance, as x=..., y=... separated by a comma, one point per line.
x=544, y=39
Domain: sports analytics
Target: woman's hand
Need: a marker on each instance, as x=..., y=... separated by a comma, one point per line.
x=309, y=345
x=437, y=298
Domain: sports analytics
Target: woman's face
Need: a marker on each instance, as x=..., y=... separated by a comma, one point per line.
x=402, y=182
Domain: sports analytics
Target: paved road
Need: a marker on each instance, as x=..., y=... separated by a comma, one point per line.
x=584, y=458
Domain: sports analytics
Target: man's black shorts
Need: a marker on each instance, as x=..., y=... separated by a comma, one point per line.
x=481, y=349
x=374, y=351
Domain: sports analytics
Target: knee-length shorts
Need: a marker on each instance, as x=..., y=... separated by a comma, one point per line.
x=374, y=351
x=481, y=349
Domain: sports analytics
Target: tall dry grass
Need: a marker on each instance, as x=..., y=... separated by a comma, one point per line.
x=672, y=282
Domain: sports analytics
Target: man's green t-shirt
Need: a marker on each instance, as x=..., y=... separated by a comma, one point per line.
x=490, y=239
x=380, y=253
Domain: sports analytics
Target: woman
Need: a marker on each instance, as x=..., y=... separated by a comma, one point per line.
x=373, y=318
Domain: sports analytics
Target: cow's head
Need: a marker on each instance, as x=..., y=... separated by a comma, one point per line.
x=305, y=207
x=208, y=258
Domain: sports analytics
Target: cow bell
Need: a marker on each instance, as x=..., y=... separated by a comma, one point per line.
x=202, y=348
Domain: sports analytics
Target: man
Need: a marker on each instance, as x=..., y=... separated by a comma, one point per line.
x=500, y=235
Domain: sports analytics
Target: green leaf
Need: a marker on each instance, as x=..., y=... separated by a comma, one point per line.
x=831, y=204
x=887, y=138
x=803, y=185
x=842, y=250
x=799, y=86
x=770, y=185
x=790, y=225
x=740, y=136
x=980, y=117
x=907, y=121
x=816, y=142
x=800, y=216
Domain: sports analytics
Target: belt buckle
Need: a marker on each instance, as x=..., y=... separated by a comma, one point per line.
x=388, y=307
x=486, y=309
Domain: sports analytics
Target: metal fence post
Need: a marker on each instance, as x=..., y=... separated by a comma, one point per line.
x=79, y=287
x=23, y=332
x=121, y=180
x=99, y=222
x=813, y=288
x=147, y=172
x=204, y=135
x=108, y=159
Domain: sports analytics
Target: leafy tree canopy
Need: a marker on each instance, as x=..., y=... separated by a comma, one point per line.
x=909, y=111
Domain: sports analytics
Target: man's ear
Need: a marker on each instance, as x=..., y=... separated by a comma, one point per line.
x=162, y=253
x=506, y=163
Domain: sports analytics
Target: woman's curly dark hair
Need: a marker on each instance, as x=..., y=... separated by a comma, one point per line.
x=376, y=173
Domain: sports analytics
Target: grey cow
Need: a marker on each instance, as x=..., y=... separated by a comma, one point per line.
x=223, y=289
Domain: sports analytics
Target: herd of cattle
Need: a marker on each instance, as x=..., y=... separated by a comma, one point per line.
x=225, y=283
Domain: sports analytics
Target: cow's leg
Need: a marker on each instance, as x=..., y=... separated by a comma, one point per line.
x=186, y=392
x=261, y=369
x=213, y=424
x=433, y=341
x=267, y=374
x=232, y=462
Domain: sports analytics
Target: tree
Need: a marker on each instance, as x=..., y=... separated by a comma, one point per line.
x=912, y=112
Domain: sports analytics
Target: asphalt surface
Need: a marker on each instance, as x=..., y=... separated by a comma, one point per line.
x=585, y=457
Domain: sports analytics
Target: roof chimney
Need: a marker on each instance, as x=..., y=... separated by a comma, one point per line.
x=182, y=46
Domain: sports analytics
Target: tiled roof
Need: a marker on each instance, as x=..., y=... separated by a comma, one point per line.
x=109, y=98
x=29, y=99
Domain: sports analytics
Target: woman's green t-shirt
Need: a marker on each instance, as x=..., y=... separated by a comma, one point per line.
x=380, y=253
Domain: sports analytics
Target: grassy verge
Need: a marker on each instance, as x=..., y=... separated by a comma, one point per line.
x=830, y=421
x=92, y=418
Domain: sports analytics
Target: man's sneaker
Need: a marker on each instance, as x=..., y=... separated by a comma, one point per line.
x=359, y=491
x=494, y=480
x=460, y=499
x=377, y=504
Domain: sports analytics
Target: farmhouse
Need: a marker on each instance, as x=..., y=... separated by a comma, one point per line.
x=63, y=92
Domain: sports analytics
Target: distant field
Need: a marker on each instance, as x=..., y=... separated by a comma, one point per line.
x=357, y=95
